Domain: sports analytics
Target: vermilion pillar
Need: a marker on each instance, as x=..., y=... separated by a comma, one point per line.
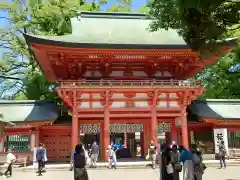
x=75, y=128
x=106, y=124
x=102, y=151
x=37, y=137
x=153, y=124
x=146, y=136
x=173, y=131
x=185, y=142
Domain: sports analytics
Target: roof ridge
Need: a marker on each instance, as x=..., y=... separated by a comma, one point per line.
x=219, y=100
x=24, y=101
x=113, y=15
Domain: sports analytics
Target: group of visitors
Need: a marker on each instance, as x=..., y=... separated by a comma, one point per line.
x=174, y=159
x=91, y=155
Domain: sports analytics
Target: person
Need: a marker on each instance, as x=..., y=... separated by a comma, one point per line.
x=167, y=164
x=198, y=164
x=152, y=153
x=160, y=160
x=40, y=157
x=72, y=159
x=222, y=155
x=176, y=161
x=45, y=158
x=186, y=159
x=112, y=157
x=80, y=172
x=94, y=154
x=89, y=150
x=173, y=143
x=138, y=154
x=163, y=172
x=9, y=160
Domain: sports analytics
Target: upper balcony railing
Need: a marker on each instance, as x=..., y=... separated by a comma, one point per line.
x=129, y=84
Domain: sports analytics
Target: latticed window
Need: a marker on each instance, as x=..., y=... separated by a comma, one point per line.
x=234, y=139
x=17, y=143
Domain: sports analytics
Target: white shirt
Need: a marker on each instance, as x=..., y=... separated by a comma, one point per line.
x=10, y=158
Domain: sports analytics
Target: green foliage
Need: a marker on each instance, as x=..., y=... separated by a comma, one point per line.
x=200, y=22
x=43, y=17
x=219, y=82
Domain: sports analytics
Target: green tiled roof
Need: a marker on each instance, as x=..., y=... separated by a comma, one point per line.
x=216, y=109
x=116, y=28
x=27, y=111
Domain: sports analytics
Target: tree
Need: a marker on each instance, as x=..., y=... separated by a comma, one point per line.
x=41, y=17
x=200, y=22
x=222, y=80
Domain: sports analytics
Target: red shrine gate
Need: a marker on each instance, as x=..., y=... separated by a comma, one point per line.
x=145, y=102
x=113, y=76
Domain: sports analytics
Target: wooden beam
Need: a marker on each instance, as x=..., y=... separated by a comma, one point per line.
x=129, y=109
x=90, y=115
x=125, y=120
x=125, y=90
x=139, y=115
x=79, y=110
x=169, y=114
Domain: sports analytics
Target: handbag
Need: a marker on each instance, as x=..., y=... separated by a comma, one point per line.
x=148, y=156
x=169, y=169
x=178, y=167
x=203, y=166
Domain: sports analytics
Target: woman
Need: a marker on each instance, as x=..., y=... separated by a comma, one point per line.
x=186, y=159
x=222, y=154
x=176, y=161
x=152, y=150
x=161, y=163
x=199, y=167
x=80, y=172
x=167, y=164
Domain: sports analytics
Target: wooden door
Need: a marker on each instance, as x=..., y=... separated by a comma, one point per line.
x=58, y=144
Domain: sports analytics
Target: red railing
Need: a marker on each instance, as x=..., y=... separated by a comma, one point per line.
x=173, y=83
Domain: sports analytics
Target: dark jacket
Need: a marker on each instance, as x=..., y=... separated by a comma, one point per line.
x=40, y=154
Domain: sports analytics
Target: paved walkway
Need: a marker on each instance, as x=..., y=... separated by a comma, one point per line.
x=231, y=173
x=138, y=164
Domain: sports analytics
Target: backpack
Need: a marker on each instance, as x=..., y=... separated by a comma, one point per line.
x=79, y=160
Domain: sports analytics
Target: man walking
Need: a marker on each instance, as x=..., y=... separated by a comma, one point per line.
x=40, y=157
x=94, y=154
